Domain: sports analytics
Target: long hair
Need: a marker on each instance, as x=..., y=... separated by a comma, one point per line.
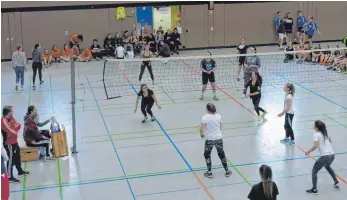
x=321, y=128
x=30, y=109
x=211, y=108
x=143, y=85
x=36, y=46
x=266, y=179
x=291, y=88
x=259, y=78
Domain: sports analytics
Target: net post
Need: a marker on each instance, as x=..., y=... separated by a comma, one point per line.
x=73, y=104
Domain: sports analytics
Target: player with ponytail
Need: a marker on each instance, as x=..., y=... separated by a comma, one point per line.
x=322, y=141
x=266, y=189
x=289, y=114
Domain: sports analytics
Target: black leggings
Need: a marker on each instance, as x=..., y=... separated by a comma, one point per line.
x=208, y=149
x=288, y=126
x=13, y=152
x=146, y=108
x=149, y=67
x=256, y=101
x=37, y=66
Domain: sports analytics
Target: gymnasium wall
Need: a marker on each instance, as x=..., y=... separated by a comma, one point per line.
x=222, y=27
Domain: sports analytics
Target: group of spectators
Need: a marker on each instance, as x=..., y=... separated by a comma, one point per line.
x=32, y=136
x=305, y=28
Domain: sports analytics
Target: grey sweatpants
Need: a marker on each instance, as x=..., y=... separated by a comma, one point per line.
x=323, y=161
x=246, y=79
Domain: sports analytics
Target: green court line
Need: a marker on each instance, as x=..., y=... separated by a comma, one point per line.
x=239, y=172
x=173, y=101
x=24, y=181
x=58, y=160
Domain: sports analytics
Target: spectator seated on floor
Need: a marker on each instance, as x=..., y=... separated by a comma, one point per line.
x=175, y=38
x=308, y=55
x=289, y=56
x=316, y=54
x=65, y=53
x=301, y=56
x=120, y=52
x=97, y=52
x=55, y=54
x=118, y=40
x=164, y=50
x=33, y=137
x=85, y=56
x=129, y=53
x=75, y=52
x=47, y=58
x=333, y=56
x=325, y=55
x=109, y=45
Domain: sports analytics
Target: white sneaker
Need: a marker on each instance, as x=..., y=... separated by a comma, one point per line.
x=201, y=97
x=153, y=118
x=144, y=119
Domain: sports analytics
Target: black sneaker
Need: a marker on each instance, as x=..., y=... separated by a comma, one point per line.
x=24, y=173
x=329, y=68
x=34, y=87
x=228, y=173
x=336, y=184
x=208, y=174
x=13, y=180
x=144, y=119
x=312, y=191
x=41, y=82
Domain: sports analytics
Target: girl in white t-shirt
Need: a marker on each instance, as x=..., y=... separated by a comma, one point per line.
x=322, y=141
x=289, y=114
x=210, y=128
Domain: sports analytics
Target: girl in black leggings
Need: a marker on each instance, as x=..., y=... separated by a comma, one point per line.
x=147, y=101
x=255, y=92
x=37, y=64
x=146, y=63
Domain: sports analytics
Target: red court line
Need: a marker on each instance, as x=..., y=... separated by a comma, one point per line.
x=298, y=147
x=195, y=175
x=220, y=89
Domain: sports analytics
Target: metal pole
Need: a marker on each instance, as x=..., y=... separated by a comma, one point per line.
x=73, y=104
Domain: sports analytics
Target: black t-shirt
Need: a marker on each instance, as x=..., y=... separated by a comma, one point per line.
x=281, y=28
x=93, y=46
x=208, y=64
x=242, y=50
x=254, y=88
x=288, y=23
x=257, y=192
x=148, y=98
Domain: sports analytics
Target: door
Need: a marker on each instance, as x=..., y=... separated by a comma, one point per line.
x=5, y=37
x=15, y=28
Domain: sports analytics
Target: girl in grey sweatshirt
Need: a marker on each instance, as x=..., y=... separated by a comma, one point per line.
x=252, y=64
x=19, y=65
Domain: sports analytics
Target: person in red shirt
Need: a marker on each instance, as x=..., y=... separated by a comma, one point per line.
x=5, y=185
x=9, y=131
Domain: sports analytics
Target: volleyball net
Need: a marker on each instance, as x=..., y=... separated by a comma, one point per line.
x=183, y=74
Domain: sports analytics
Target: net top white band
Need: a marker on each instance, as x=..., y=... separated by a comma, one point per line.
x=332, y=50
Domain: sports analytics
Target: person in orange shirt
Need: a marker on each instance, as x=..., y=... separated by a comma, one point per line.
x=65, y=53
x=86, y=56
x=75, y=40
x=55, y=54
x=47, y=58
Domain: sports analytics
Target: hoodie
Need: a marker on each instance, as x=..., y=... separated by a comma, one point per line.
x=31, y=131
x=9, y=130
x=39, y=124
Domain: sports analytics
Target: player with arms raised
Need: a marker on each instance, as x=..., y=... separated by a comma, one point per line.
x=208, y=66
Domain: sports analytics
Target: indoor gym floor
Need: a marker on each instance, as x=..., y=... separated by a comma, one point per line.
x=121, y=158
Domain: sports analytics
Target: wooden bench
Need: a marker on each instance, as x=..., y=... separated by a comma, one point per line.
x=28, y=153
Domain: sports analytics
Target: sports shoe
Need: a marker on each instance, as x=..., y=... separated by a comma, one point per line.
x=263, y=115
x=34, y=87
x=153, y=118
x=153, y=82
x=336, y=184
x=201, y=97
x=41, y=82
x=48, y=158
x=238, y=78
x=345, y=72
x=228, y=173
x=22, y=88
x=16, y=87
x=329, y=68
x=144, y=119
x=23, y=173
x=259, y=117
x=208, y=174
x=339, y=71
x=215, y=98
x=285, y=140
x=291, y=143
x=312, y=191
x=13, y=180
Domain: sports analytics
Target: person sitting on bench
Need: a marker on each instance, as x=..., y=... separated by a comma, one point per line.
x=33, y=137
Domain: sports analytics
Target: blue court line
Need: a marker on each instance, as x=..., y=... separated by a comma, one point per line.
x=333, y=102
x=230, y=184
x=109, y=134
x=164, y=174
